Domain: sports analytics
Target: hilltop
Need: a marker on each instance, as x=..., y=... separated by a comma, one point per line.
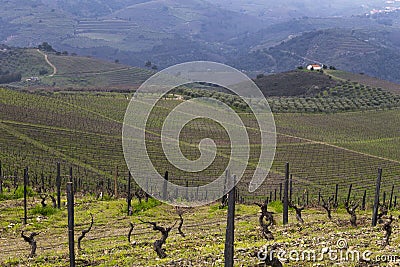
x=51, y=70
x=301, y=82
x=350, y=50
x=295, y=83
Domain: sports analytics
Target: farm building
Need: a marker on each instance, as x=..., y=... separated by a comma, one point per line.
x=314, y=67
x=32, y=79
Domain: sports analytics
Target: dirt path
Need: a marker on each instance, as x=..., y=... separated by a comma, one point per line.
x=48, y=62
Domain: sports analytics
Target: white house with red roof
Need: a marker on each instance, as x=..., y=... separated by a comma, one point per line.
x=315, y=67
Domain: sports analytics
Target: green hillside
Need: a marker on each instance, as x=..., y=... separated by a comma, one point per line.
x=317, y=131
x=293, y=91
x=304, y=91
x=366, y=80
x=66, y=72
x=28, y=62
x=89, y=73
x=84, y=130
x=295, y=83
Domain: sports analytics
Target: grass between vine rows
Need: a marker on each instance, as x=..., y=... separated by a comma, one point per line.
x=107, y=244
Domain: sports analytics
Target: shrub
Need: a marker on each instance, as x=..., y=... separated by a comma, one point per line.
x=19, y=193
x=43, y=72
x=143, y=206
x=44, y=211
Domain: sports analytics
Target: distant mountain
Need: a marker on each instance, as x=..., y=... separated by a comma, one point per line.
x=194, y=18
x=128, y=29
x=287, y=9
x=376, y=53
x=255, y=36
x=90, y=8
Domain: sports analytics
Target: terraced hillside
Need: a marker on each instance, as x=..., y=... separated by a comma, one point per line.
x=89, y=73
x=350, y=50
x=62, y=71
x=366, y=80
x=105, y=26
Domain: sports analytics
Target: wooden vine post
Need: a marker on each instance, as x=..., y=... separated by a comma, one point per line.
x=165, y=186
x=1, y=180
x=130, y=232
x=286, y=196
x=187, y=190
x=290, y=187
x=230, y=228
x=70, y=199
x=25, y=194
x=376, y=202
x=391, y=197
x=116, y=183
x=129, y=197
x=58, y=184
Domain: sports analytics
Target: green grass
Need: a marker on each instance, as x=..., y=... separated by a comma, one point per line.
x=137, y=208
x=45, y=211
x=368, y=132
x=107, y=245
x=276, y=206
x=17, y=193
